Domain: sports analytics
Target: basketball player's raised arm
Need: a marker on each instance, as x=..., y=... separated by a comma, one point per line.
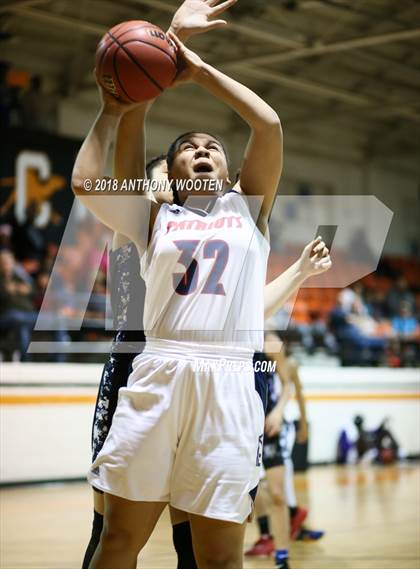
x=191, y=18
x=262, y=163
x=127, y=214
x=314, y=260
x=129, y=154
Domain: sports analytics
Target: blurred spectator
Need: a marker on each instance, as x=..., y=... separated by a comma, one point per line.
x=90, y=243
x=50, y=257
x=405, y=346
x=18, y=298
x=348, y=297
x=399, y=293
x=58, y=302
x=360, y=317
x=42, y=280
x=405, y=324
x=28, y=240
x=16, y=302
x=376, y=304
x=5, y=236
x=354, y=331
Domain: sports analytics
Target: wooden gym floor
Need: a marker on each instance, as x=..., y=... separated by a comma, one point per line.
x=371, y=516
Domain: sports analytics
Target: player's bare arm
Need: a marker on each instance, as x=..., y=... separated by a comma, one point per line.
x=128, y=215
x=275, y=352
x=262, y=163
x=130, y=151
x=129, y=154
x=314, y=260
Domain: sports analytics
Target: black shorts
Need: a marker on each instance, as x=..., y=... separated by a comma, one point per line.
x=275, y=449
x=114, y=375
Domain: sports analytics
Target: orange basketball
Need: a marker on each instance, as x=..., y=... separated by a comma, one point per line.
x=135, y=61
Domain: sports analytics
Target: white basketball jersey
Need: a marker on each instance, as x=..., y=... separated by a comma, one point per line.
x=205, y=275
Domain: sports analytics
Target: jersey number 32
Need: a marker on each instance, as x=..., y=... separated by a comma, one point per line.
x=186, y=283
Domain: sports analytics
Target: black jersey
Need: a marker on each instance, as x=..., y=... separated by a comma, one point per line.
x=127, y=299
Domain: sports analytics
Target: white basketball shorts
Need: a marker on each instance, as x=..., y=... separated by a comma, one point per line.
x=188, y=430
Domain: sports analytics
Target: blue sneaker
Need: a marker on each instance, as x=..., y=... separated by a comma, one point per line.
x=309, y=535
x=281, y=558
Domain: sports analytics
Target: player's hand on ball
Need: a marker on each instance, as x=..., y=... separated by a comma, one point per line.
x=315, y=258
x=189, y=63
x=272, y=424
x=197, y=16
x=113, y=106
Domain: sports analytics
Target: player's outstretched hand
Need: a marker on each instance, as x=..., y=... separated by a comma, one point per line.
x=315, y=258
x=198, y=16
x=189, y=63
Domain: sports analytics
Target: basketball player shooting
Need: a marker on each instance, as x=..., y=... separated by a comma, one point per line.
x=192, y=17
x=202, y=465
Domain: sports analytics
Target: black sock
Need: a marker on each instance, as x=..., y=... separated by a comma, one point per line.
x=292, y=511
x=181, y=535
x=264, y=525
x=97, y=525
